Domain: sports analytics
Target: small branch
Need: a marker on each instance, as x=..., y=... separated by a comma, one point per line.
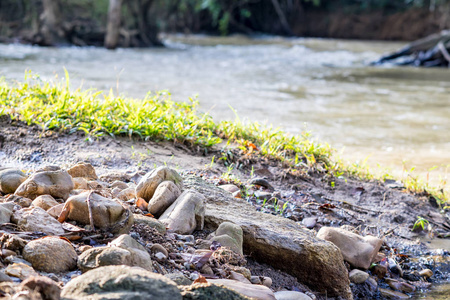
x=91, y=218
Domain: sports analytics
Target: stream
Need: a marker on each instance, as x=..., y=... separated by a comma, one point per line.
x=396, y=117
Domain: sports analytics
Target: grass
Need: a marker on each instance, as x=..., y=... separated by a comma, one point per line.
x=54, y=106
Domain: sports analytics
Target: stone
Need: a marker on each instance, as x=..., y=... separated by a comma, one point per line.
x=151, y=222
x=230, y=188
x=165, y=194
x=208, y=291
x=241, y=270
x=157, y=248
x=119, y=184
x=36, y=219
x=186, y=214
x=84, y=170
x=278, y=241
x=358, y=276
x=390, y=294
x=127, y=194
x=262, y=182
x=20, y=270
x=45, y=202
x=56, y=210
x=51, y=254
x=400, y=285
x=255, y=280
x=120, y=282
x=10, y=180
x=358, y=251
x=47, y=288
x=250, y=290
x=55, y=183
x=148, y=184
x=178, y=278
x=19, y=200
x=103, y=256
x=80, y=183
x=239, y=277
x=12, y=242
x=139, y=255
x=229, y=235
x=291, y=295
x=309, y=222
x=6, y=211
x=426, y=273
x=267, y=281
x=4, y=277
x=106, y=213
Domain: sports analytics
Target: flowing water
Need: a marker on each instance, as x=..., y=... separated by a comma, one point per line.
x=390, y=114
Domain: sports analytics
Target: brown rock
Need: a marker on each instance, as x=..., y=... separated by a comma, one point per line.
x=186, y=214
x=151, y=222
x=80, y=183
x=127, y=194
x=250, y=290
x=393, y=294
x=6, y=211
x=56, y=210
x=358, y=276
x=121, y=282
x=426, y=273
x=357, y=250
x=36, y=219
x=45, y=202
x=148, y=184
x=84, y=170
x=139, y=255
x=10, y=180
x=278, y=241
x=46, y=287
x=52, y=254
x=105, y=212
x=103, y=256
x=55, y=183
x=400, y=285
x=230, y=188
x=165, y=194
x=20, y=270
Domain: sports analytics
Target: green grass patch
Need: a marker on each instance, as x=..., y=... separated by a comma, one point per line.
x=54, y=106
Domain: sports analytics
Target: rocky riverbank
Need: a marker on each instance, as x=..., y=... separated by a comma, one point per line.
x=124, y=219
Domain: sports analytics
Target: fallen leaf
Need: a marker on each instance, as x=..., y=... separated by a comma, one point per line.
x=141, y=204
x=149, y=215
x=200, y=279
x=327, y=206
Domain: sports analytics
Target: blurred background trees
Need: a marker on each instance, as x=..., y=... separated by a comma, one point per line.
x=136, y=23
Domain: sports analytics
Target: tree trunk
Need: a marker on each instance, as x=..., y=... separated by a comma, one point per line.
x=113, y=27
x=51, y=29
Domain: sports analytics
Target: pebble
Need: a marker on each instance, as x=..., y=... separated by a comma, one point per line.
x=291, y=295
x=267, y=281
x=262, y=182
x=358, y=276
x=400, y=285
x=309, y=222
x=393, y=294
x=157, y=248
x=255, y=279
x=426, y=273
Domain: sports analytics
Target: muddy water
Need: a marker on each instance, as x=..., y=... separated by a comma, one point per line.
x=389, y=114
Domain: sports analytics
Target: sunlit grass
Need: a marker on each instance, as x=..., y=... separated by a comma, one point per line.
x=54, y=106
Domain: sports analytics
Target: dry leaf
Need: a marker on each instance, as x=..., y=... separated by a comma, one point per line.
x=200, y=279
x=141, y=204
x=149, y=215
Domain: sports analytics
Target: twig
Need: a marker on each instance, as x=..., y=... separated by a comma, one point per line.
x=91, y=218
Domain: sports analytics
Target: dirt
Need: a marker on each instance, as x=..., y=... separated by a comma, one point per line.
x=383, y=209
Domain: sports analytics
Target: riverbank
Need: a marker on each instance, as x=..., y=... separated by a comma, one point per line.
x=305, y=190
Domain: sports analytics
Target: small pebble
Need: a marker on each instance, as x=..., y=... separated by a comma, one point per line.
x=427, y=273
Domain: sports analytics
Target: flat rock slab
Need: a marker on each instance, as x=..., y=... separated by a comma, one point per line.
x=278, y=241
